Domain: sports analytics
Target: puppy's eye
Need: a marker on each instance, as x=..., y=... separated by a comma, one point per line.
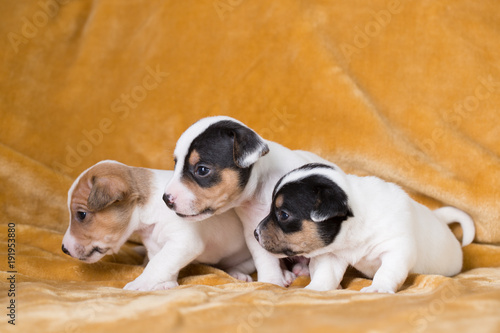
x=202, y=171
x=283, y=216
x=81, y=215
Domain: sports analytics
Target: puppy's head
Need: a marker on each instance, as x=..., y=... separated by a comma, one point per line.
x=101, y=202
x=214, y=159
x=307, y=212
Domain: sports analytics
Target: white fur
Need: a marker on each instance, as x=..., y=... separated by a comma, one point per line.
x=254, y=202
x=172, y=244
x=389, y=236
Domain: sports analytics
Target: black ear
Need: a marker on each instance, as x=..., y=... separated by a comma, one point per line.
x=248, y=147
x=106, y=191
x=331, y=202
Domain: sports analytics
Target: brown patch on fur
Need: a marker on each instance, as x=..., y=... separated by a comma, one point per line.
x=194, y=158
x=308, y=239
x=107, y=190
x=108, y=193
x=304, y=241
x=216, y=196
x=279, y=201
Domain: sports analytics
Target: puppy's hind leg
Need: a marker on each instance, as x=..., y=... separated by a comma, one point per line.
x=243, y=270
x=391, y=274
x=301, y=266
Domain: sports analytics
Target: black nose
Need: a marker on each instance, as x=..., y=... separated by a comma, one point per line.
x=256, y=234
x=169, y=200
x=65, y=250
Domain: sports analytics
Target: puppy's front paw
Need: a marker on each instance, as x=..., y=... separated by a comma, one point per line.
x=288, y=277
x=143, y=284
x=137, y=285
x=166, y=285
x=320, y=286
x=284, y=280
x=240, y=276
x=377, y=289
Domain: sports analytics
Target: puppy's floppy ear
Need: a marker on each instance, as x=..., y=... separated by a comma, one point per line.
x=248, y=147
x=105, y=191
x=331, y=202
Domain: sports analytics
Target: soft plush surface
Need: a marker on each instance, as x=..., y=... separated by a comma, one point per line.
x=408, y=91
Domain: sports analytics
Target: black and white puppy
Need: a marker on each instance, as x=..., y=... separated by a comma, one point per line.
x=338, y=220
x=222, y=164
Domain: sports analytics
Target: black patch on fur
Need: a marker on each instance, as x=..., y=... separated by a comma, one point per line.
x=312, y=194
x=297, y=202
x=215, y=147
x=309, y=166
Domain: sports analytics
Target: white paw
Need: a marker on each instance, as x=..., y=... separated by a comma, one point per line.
x=137, y=285
x=240, y=276
x=143, y=284
x=288, y=277
x=320, y=287
x=284, y=280
x=166, y=285
x=377, y=289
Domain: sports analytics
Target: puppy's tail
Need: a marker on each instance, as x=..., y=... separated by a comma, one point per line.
x=451, y=214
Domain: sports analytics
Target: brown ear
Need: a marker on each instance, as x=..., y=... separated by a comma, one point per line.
x=106, y=191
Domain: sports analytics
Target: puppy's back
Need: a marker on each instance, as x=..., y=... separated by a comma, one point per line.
x=439, y=251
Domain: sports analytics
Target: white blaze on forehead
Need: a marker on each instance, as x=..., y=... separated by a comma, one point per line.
x=299, y=174
x=185, y=140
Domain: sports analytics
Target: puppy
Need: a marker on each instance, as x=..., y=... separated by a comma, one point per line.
x=338, y=220
x=110, y=201
x=223, y=164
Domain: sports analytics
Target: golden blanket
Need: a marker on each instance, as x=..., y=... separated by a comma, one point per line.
x=405, y=90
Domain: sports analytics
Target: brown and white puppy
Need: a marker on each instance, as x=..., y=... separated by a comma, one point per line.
x=222, y=164
x=338, y=220
x=110, y=201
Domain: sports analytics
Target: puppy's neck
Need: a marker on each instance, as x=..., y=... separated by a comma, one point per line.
x=266, y=172
x=152, y=208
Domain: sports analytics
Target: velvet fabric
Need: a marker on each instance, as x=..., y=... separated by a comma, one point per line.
x=405, y=90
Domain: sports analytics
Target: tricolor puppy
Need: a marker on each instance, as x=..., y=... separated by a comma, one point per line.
x=110, y=201
x=338, y=220
x=223, y=164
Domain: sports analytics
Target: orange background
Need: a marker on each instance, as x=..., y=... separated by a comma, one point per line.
x=405, y=90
